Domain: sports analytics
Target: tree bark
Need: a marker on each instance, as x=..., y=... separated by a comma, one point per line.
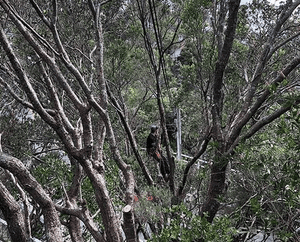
x=25, y=203
x=129, y=226
x=52, y=223
x=72, y=197
x=78, y=145
x=109, y=217
x=85, y=216
x=216, y=190
x=13, y=215
x=110, y=220
x=218, y=169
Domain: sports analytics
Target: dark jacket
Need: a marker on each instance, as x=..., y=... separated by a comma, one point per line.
x=152, y=143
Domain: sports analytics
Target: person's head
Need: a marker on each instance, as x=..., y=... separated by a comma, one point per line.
x=154, y=128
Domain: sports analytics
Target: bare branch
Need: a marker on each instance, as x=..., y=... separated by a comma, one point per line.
x=40, y=13
x=192, y=162
x=266, y=55
x=263, y=122
x=64, y=55
x=7, y=7
x=24, y=79
x=282, y=44
x=268, y=119
x=25, y=202
x=85, y=217
x=131, y=138
x=49, y=60
x=56, y=101
x=240, y=122
x=15, y=96
x=13, y=215
x=1, y=142
x=54, y=15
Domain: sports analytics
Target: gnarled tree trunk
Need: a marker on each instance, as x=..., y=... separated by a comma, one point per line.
x=29, y=183
x=13, y=215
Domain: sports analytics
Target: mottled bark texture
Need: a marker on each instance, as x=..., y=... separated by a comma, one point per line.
x=79, y=138
x=29, y=183
x=13, y=215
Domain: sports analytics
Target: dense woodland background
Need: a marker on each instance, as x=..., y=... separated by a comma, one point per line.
x=82, y=82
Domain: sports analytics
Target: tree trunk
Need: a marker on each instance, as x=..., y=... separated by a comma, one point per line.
x=218, y=169
x=215, y=191
x=75, y=229
x=52, y=223
x=72, y=197
x=129, y=226
x=13, y=215
x=109, y=218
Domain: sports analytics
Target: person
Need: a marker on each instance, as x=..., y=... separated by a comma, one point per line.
x=153, y=149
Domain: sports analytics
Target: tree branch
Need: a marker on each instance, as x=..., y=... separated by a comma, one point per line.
x=221, y=65
x=13, y=215
x=85, y=217
x=31, y=94
x=15, y=96
x=265, y=57
x=238, y=124
x=17, y=168
x=40, y=13
x=192, y=162
x=263, y=122
x=7, y=7
x=25, y=203
x=56, y=101
x=49, y=60
x=131, y=138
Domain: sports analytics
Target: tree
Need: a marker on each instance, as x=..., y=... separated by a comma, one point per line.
x=53, y=66
x=227, y=139
x=221, y=39
x=265, y=176
x=234, y=76
x=239, y=106
x=11, y=210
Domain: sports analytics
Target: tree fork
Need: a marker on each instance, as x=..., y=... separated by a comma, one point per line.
x=218, y=169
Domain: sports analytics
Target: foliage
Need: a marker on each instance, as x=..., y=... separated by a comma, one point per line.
x=266, y=180
x=54, y=174
x=186, y=226
x=150, y=205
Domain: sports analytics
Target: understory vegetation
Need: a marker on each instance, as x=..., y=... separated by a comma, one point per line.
x=81, y=84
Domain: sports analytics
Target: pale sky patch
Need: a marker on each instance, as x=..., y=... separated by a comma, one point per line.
x=276, y=2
